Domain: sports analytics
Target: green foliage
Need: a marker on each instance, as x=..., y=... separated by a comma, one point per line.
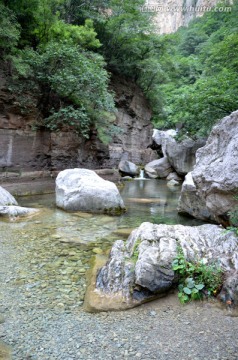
x=188, y=77
x=196, y=279
x=81, y=35
x=201, y=70
x=72, y=86
x=26, y=13
x=9, y=30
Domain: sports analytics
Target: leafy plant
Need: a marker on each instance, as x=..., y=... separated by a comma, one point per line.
x=197, y=279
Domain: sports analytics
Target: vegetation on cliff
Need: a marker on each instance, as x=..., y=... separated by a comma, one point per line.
x=202, y=70
x=63, y=51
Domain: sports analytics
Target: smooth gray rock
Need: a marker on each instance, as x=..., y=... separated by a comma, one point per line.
x=181, y=155
x=84, y=190
x=6, y=198
x=215, y=175
x=160, y=168
x=141, y=269
x=190, y=203
x=128, y=168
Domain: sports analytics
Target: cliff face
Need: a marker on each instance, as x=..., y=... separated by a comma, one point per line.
x=23, y=149
x=171, y=14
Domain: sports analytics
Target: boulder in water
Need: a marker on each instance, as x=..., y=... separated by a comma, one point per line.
x=6, y=198
x=84, y=190
x=160, y=168
x=14, y=212
x=128, y=168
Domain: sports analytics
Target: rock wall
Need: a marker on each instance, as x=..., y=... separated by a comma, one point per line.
x=22, y=149
x=208, y=191
x=133, y=118
x=171, y=14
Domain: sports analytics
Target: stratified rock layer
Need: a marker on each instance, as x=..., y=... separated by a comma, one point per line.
x=22, y=149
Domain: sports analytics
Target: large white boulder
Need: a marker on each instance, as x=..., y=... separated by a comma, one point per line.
x=6, y=198
x=214, y=180
x=84, y=190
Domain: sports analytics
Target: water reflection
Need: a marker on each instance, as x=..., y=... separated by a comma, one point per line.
x=152, y=201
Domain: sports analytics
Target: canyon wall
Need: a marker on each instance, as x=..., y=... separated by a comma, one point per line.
x=172, y=14
x=24, y=149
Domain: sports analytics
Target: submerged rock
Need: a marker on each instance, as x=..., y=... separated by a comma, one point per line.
x=6, y=198
x=14, y=212
x=209, y=193
x=84, y=190
x=141, y=269
x=173, y=176
x=9, y=207
x=172, y=183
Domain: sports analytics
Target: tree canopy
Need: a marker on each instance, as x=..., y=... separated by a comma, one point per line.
x=65, y=50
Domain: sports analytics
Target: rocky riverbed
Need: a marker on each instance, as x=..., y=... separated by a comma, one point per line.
x=44, y=319
x=43, y=262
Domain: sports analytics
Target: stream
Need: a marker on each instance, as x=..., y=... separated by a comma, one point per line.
x=55, y=247
x=44, y=258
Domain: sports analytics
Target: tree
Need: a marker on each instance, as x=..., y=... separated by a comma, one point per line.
x=72, y=87
x=9, y=30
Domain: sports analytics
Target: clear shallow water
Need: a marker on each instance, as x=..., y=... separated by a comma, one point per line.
x=50, y=253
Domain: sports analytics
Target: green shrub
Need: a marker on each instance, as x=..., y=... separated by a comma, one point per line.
x=197, y=279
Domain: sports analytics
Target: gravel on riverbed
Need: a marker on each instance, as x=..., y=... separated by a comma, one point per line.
x=162, y=330
x=159, y=330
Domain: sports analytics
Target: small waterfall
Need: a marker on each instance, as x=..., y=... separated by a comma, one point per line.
x=142, y=174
